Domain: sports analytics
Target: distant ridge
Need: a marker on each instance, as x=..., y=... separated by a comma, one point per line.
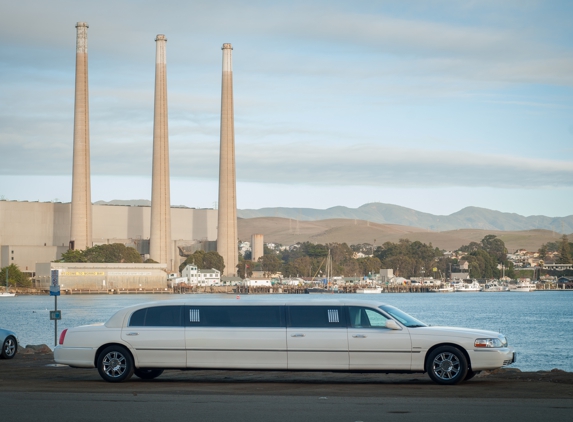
x=467, y=218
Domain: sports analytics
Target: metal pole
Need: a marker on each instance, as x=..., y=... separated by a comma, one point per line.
x=55, y=322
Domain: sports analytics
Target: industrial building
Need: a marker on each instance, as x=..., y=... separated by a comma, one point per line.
x=39, y=232
x=33, y=234
x=96, y=278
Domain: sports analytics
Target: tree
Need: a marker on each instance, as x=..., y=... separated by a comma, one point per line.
x=214, y=260
x=564, y=251
x=245, y=265
x=369, y=265
x=108, y=253
x=270, y=263
x=16, y=278
x=196, y=258
x=542, y=251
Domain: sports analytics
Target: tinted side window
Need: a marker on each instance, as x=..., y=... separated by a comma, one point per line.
x=163, y=316
x=317, y=316
x=138, y=318
x=366, y=318
x=234, y=316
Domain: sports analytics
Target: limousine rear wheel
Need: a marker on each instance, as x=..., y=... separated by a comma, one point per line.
x=115, y=364
x=447, y=365
x=147, y=374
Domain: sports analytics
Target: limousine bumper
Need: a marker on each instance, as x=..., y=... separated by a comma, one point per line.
x=80, y=357
x=493, y=358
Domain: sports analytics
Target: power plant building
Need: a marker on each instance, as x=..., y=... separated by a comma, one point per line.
x=33, y=234
x=39, y=232
x=227, y=236
x=257, y=246
x=160, y=239
x=81, y=219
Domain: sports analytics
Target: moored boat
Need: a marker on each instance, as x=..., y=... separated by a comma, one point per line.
x=472, y=287
x=442, y=289
x=494, y=286
x=523, y=286
x=370, y=290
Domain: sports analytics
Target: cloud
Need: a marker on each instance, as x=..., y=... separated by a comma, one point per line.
x=324, y=90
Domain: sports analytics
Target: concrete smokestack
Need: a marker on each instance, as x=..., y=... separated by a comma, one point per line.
x=257, y=247
x=227, y=224
x=160, y=249
x=81, y=213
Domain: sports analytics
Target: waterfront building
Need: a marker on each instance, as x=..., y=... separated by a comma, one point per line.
x=198, y=277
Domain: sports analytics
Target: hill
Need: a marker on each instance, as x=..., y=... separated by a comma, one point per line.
x=287, y=232
x=467, y=218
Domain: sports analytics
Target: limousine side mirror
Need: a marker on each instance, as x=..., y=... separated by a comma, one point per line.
x=393, y=325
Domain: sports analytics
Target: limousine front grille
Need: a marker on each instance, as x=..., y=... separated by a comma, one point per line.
x=333, y=315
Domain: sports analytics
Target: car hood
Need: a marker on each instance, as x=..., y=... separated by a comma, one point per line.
x=456, y=331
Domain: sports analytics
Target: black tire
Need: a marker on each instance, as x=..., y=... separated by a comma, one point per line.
x=471, y=374
x=447, y=365
x=115, y=364
x=147, y=374
x=9, y=348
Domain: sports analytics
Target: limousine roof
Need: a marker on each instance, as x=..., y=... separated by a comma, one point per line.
x=117, y=319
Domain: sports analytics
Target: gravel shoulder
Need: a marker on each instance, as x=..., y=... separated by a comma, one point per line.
x=39, y=373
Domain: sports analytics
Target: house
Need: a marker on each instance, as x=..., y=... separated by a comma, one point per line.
x=195, y=276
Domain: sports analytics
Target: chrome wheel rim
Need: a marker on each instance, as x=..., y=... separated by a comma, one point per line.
x=9, y=347
x=446, y=366
x=114, y=364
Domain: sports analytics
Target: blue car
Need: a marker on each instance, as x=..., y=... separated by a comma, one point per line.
x=9, y=343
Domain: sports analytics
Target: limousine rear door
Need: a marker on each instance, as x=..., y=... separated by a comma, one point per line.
x=236, y=337
x=158, y=337
x=317, y=337
x=373, y=346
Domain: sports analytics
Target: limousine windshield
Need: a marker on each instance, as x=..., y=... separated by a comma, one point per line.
x=405, y=319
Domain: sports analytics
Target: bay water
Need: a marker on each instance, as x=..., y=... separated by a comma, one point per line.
x=538, y=324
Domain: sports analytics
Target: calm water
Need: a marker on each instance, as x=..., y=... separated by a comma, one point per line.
x=539, y=324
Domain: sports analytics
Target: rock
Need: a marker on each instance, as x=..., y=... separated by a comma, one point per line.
x=41, y=349
x=25, y=351
x=557, y=370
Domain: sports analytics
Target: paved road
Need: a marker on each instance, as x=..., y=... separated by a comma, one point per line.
x=162, y=407
x=32, y=389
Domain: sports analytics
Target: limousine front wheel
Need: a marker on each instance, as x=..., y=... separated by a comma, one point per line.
x=115, y=364
x=447, y=365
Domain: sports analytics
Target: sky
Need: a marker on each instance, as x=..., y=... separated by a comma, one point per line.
x=433, y=105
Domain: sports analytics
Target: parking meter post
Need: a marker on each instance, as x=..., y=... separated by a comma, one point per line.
x=55, y=322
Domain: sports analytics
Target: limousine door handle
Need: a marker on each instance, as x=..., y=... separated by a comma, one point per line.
x=132, y=334
x=297, y=335
x=359, y=336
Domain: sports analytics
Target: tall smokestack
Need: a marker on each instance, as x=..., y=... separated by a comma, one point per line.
x=81, y=214
x=227, y=225
x=160, y=236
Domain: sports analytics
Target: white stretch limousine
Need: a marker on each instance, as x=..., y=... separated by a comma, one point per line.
x=317, y=335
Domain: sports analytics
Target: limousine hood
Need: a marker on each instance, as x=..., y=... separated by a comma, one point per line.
x=454, y=331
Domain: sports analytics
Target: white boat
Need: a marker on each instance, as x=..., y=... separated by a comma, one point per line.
x=523, y=286
x=443, y=289
x=370, y=290
x=472, y=287
x=494, y=286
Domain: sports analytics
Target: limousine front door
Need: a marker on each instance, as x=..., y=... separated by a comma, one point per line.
x=317, y=338
x=158, y=337
x=236, y=337
x=372, y=346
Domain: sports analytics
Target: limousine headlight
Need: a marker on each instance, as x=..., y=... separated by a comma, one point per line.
x=491, y=342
